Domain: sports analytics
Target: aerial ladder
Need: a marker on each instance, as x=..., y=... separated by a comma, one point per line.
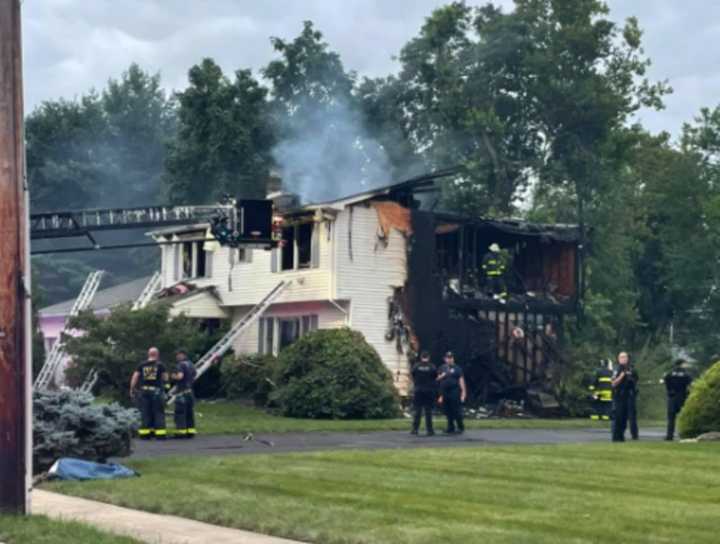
x=226, y=342
x=57, y=354
x=147, y=294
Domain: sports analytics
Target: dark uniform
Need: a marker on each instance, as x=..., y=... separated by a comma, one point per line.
x=185, y=400
x=424, y=375
x=152, y=399
x=601, y=390
x=677, y=382
x=450, y=391
x=495, y=265
x=625, y=404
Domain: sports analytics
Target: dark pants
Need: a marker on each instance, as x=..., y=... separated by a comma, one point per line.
x=674, y=405
x=624, y=410
x=185, y=414
x=453, y=410
x=152, y=411
x=423, y=401
x=602, y=409
x=496, y=286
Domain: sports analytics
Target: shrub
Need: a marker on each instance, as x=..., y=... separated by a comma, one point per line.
x=701, y=413
x=246, y=377
x=116, y=344
x=334, y=374
x=69, y=424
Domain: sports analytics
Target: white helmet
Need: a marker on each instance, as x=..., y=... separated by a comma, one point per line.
x=494, y=248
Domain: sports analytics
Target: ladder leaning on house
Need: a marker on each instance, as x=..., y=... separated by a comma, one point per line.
x=148, y=292
x=226, y=342
x=57, y=353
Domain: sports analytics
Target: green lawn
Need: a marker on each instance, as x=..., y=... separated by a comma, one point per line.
x=222, y=417
x=41, y=530
x=624, y=493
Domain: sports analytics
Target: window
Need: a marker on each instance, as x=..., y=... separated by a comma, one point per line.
x=276, y=333
x=299, y=249
x=288, y=249
x=304, y=245
x=192, y=261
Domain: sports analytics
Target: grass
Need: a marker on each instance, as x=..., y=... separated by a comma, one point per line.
x=625, y=493
x=42, y=530
x=222, y=417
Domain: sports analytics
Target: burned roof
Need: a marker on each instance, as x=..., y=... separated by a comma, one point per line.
x=559, y=232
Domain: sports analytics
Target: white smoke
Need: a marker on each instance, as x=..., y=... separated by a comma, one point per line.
x=325, y=153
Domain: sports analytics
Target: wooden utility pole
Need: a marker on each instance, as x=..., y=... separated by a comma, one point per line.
x=14, y=265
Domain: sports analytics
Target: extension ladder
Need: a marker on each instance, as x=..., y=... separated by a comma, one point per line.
x=57, y=354
x=226, y=342
x=148, y=292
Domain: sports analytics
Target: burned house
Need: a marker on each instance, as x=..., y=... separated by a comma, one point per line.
x=406, y=277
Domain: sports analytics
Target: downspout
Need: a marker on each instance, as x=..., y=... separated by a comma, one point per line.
x=332, y=284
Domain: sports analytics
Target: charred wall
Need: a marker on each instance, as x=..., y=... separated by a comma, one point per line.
x=438, y=327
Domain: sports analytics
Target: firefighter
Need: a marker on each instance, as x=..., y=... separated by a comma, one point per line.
x=624, y=394
x=424, y=375
x=677, y=382
x=183, y=379
x=601, y=391
x=452, y=393
x=150, y=378
x=495, y=265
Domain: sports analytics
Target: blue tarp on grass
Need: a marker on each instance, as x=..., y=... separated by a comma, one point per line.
x=67, y=468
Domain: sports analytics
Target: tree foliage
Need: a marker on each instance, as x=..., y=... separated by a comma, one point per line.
x=70, y=424
x=701, y=412
x=333, y=374
x=116, y=344
x=224, y=137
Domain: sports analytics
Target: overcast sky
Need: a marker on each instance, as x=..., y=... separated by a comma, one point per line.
x=73, y=45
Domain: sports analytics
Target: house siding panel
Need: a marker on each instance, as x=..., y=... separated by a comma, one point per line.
x=368, y=279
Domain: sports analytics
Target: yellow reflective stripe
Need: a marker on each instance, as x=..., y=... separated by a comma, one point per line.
x=604, y=380
x=605, y=418
x=143, y=432
x=160, y=432
x=594, y=417
x=181, y=431
x=192, y=430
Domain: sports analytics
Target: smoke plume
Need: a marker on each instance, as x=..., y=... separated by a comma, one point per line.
x=325, y=153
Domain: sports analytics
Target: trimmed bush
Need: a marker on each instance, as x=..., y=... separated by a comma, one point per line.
x=69, y=424
x=334, y=374
x=701, y=413
x=246, y=377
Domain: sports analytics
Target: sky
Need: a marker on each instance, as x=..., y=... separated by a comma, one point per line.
x=71, y=46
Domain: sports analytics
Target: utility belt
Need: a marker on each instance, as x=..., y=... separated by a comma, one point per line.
x=151, y=388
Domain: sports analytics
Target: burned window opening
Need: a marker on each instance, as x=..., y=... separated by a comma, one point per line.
x=288, y=249
x=304, y=244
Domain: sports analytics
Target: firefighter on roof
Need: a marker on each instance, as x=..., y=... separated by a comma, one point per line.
x=601, y=391
x=183, y=378
x=495, y=266
x=149, y=380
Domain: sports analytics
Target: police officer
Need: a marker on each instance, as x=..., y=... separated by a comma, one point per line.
x=677, y=382
x=495, y=264
x=601, y=391
x=424, y=375
x=452, y=393
x=624, y=385
x=150, y=378
x=183, y=379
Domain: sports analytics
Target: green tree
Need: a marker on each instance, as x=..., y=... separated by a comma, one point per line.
x=224, y=137
x=320, y=125
x=116, y=344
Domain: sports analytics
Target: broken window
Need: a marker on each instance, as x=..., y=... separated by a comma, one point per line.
x=288, y=249
x=187, y=260
x=304, y=245
x=200, y=261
